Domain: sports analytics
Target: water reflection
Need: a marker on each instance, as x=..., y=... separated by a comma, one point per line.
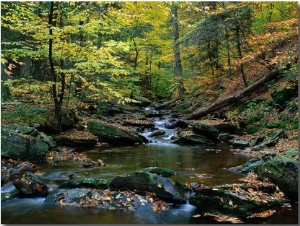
x=185, y=160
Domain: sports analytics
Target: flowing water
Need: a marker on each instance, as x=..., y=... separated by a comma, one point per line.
x=188, y=161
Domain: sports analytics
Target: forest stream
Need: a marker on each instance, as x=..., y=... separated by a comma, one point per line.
x=187, y=161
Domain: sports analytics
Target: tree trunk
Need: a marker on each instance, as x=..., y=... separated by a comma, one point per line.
x=57, y=98
x=238, y=42
x=177, y=59
x=233, y=98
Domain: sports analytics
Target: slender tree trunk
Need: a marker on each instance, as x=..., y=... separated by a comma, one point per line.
x=57, y=98
x=238, y=41
x=228, y=52
x=177, y=59
x=136, y=55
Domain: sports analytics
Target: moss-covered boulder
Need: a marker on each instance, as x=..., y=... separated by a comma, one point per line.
x=283, y=172
x=164, y=188
x=10, y=194
x=159, y=171
x=206, y=130
x=114, y=134
x=85, y=183
x=238, y=200
x=188, y=137
x=22, y=146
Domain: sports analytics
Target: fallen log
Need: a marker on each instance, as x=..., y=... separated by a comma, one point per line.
x=233, y=98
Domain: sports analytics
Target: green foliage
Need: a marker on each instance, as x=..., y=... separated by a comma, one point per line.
x=25, y=113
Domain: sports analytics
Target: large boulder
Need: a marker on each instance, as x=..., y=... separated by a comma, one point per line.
x=282, y=171
x=85, y=183
x=238, y=200
x=107, y=199
x=172, y=124
x=18, y=145
x=114, y=134
x=188, y=137
x=206, y=130
x=29, y=185
x=164, y=188
x=76, y=139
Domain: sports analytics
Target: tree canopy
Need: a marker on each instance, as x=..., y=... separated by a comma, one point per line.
x=110, y=51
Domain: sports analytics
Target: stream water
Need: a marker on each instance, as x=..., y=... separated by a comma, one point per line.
x=187, y=161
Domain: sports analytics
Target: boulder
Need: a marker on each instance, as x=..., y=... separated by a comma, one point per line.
x=206, y=130
x=22, y=146
x=85, y=183
x=238, y=200
x=226, y=127
x=157, y=133
x=107, y=199
x=114, y=134
x=165, y=189
x=29, y=185
x=172, y=124
x=282, y=171
x=225, y=136
x=188, y=137
x=159, y=171
x=257, y=140
x=11, y=194
x=240, y=144
x=76, y=139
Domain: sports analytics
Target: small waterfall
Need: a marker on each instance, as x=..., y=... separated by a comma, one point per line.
x=165, y=134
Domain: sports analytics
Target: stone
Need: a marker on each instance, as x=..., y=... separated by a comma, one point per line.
x=172, y=124
x=76, y=139
x=187, y=137
x=283, y=172
x=165, y=189
x=225, y=136
x=85, y=183
x=159, y=171
x=240, y=144
x=206, y=130
x=237, y=200
x=157, y=133
x=29, y=185
x=114, y=134
x=257, y=140
x=22, y=146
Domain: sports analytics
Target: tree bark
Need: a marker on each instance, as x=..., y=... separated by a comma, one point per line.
x=177, y=59
x=233, y=98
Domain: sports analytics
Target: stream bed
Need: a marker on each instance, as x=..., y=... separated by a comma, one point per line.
x=187, y=161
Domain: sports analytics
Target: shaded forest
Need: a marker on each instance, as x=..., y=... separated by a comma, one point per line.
x=102, y=102
x=92, y=55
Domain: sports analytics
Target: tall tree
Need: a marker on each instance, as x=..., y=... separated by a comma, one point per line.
x=176, y=48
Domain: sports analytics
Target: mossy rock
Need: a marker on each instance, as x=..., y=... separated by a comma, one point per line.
x=114, y=134
x=11, y=194
x=206, y=130
x=222, y=201
x=283, y=172
x=164, y=188
x=85, y=183
x=159, y=171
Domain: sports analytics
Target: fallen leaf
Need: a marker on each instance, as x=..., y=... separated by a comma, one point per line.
x=197, y=215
